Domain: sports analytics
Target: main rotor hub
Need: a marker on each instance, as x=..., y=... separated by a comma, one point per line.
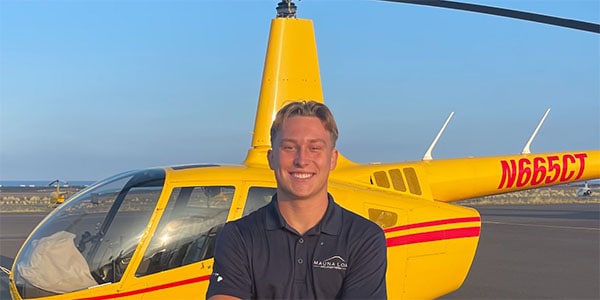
x=286, y=9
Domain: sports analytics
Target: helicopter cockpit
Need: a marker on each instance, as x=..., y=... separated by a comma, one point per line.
x=90, y=239
x=99, y=227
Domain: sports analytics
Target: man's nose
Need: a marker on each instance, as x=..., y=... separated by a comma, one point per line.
x=302, y=157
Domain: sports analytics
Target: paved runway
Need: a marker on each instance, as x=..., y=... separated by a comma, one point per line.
x=525, y=252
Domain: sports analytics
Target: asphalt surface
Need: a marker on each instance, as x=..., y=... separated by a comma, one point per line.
x=536, y=252
x=525, y=252
x=14, y=229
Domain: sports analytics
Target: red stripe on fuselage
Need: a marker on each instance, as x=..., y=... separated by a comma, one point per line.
x=431, y=236
x=433, y=223
x=150, y=289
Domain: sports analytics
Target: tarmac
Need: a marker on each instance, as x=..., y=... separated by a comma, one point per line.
x=536, y=252
x=525, y=252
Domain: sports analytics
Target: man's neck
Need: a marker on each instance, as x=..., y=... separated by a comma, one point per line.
x=304, y=214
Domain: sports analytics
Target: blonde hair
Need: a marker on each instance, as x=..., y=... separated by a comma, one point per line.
x=305, y=109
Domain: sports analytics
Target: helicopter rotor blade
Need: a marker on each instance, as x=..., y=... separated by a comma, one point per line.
x=509, y=13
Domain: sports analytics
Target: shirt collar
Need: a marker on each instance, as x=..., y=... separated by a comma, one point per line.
x=330, y=224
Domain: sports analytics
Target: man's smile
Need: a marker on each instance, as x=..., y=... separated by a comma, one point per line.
x=301, y=175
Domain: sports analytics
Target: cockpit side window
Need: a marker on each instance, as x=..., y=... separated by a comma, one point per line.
x=187, y=230
x=257, y=198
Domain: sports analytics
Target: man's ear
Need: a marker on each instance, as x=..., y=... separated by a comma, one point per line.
x=270, y=158
x=334, y=157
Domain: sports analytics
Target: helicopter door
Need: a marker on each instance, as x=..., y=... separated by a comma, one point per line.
x=188, y=228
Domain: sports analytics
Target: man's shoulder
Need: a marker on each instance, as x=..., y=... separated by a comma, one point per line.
x=251, y=221
x=244, y=232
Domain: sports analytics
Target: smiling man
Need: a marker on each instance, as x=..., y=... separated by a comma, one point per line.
x=302, y=245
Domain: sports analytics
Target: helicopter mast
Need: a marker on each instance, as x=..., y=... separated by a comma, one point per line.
x=286, y=9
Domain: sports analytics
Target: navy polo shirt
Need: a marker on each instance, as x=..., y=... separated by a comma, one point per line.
x=261, y=257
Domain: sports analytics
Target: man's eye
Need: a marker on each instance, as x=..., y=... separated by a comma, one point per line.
x=287, y=148
x=316, y=148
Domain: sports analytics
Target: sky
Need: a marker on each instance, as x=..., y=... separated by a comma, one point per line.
x=89, y=89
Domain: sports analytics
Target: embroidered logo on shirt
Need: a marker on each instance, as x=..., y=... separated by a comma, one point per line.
x=219, y=277
x=334, y=262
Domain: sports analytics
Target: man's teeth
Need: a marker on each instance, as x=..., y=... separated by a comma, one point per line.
x=302, y=175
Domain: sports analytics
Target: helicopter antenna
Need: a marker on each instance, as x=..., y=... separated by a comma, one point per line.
x=427, y=155
x=526, y=149
x=286, y=9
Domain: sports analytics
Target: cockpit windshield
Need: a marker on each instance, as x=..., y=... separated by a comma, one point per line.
x=90, y=238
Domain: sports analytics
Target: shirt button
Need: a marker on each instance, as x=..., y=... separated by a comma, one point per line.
x=301, y=241
x=300, y=260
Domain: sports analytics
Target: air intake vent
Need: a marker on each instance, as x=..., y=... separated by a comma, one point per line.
x=413, y=181
x=382, y=179
x=397, y=180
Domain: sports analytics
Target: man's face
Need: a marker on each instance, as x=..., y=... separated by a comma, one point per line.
x=302, y=156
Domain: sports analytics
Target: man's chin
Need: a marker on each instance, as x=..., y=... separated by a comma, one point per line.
x=300, y=194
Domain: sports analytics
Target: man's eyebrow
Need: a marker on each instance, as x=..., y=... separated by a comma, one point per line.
x=317, y=140
x=289, y=140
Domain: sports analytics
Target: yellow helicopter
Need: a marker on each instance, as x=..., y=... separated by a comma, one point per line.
x=149, y=234
x=57, y=197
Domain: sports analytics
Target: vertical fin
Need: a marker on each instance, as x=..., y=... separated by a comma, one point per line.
x=291, y=72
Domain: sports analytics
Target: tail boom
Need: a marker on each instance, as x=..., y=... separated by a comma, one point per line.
x=459, y=179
